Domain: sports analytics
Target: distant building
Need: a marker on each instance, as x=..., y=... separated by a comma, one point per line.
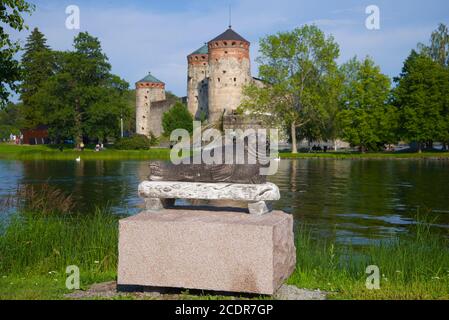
x=38, y=135
x=216, y=74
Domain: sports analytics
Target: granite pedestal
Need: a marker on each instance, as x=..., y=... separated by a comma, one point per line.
x=208, y=250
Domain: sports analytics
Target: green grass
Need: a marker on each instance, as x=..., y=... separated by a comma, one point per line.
x=43, y=152
x=368, y=155
x=415, y=267
x=36, y=249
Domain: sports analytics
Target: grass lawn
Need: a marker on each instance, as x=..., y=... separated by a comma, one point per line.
x=44, y=152
x=368, y=155
x=35, y=250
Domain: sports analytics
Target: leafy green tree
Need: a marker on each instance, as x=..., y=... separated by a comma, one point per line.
x=367, y=119
x=11, y=120
x=298, y=67
x=82, y=98
x=422, y=97
x=11, y=12
x=38, y=65
x=178, y=117
x=438, y=49
x=103, y=115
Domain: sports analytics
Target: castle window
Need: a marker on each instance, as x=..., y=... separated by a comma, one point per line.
x=143, y=117
x=203, y=57
x=225, y=43
x=226, y=52
x=143, y=128
x=218, y=79
x=204, y=65
x=216, y=44
x=196, y=58
x=233, y=43
x=235, y=79
x=224, y=71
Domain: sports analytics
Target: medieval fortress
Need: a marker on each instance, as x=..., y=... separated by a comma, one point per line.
x=216, y=74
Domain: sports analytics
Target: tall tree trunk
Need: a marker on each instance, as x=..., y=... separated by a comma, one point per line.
x=293, y=133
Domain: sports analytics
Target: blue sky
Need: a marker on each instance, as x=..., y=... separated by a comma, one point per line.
x=141, y=36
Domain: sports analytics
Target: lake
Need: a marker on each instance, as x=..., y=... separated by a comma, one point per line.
x=349, y=201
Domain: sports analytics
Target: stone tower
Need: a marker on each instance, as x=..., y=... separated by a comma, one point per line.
x=148, y=90
x=229, y=71
x=197, y=82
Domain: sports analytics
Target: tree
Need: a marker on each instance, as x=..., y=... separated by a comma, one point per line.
x=422, y=97
x=38, y=65
x=298, y=67
x=11, y=15
x=11, y=120
x=178, y=117
x=82, y=100
x=367, y=119
x=438, y=49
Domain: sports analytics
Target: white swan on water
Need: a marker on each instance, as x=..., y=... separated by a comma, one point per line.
x=78, y=159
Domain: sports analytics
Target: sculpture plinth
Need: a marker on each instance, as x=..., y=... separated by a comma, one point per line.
x=193, y=248
x=208, y=250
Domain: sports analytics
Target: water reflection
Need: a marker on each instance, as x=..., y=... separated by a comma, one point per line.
x=359, y=200
x=346, y=200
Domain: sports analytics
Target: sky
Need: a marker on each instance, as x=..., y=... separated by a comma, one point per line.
x=140, y=36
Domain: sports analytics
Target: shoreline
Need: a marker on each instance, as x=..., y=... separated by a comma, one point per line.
x=44, y=152
x=34, y=257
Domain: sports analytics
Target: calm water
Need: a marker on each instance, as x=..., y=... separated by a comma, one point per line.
x=350, y=200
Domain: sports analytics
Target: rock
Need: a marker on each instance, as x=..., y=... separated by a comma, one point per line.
x=237, y=173
x=209, y=191
x=207, y=250
x=108, y=290
x=289, y=292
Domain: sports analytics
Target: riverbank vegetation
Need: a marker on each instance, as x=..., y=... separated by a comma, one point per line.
x=44, y=152
x=367, y=155
x=308, y=96
x=36, y=248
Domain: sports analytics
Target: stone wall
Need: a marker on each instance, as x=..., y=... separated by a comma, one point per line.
x=235, y=121
x=158, y=108
x=197, y=84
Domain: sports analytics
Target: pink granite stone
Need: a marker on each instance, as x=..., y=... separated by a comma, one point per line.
x=208, y=250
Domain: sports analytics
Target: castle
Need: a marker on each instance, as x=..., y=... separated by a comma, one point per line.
x=216, y=74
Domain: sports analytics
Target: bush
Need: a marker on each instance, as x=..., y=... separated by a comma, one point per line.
x=178, y=117
x=136, y=142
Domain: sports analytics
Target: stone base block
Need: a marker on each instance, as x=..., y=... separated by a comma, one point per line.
x=207, y=250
